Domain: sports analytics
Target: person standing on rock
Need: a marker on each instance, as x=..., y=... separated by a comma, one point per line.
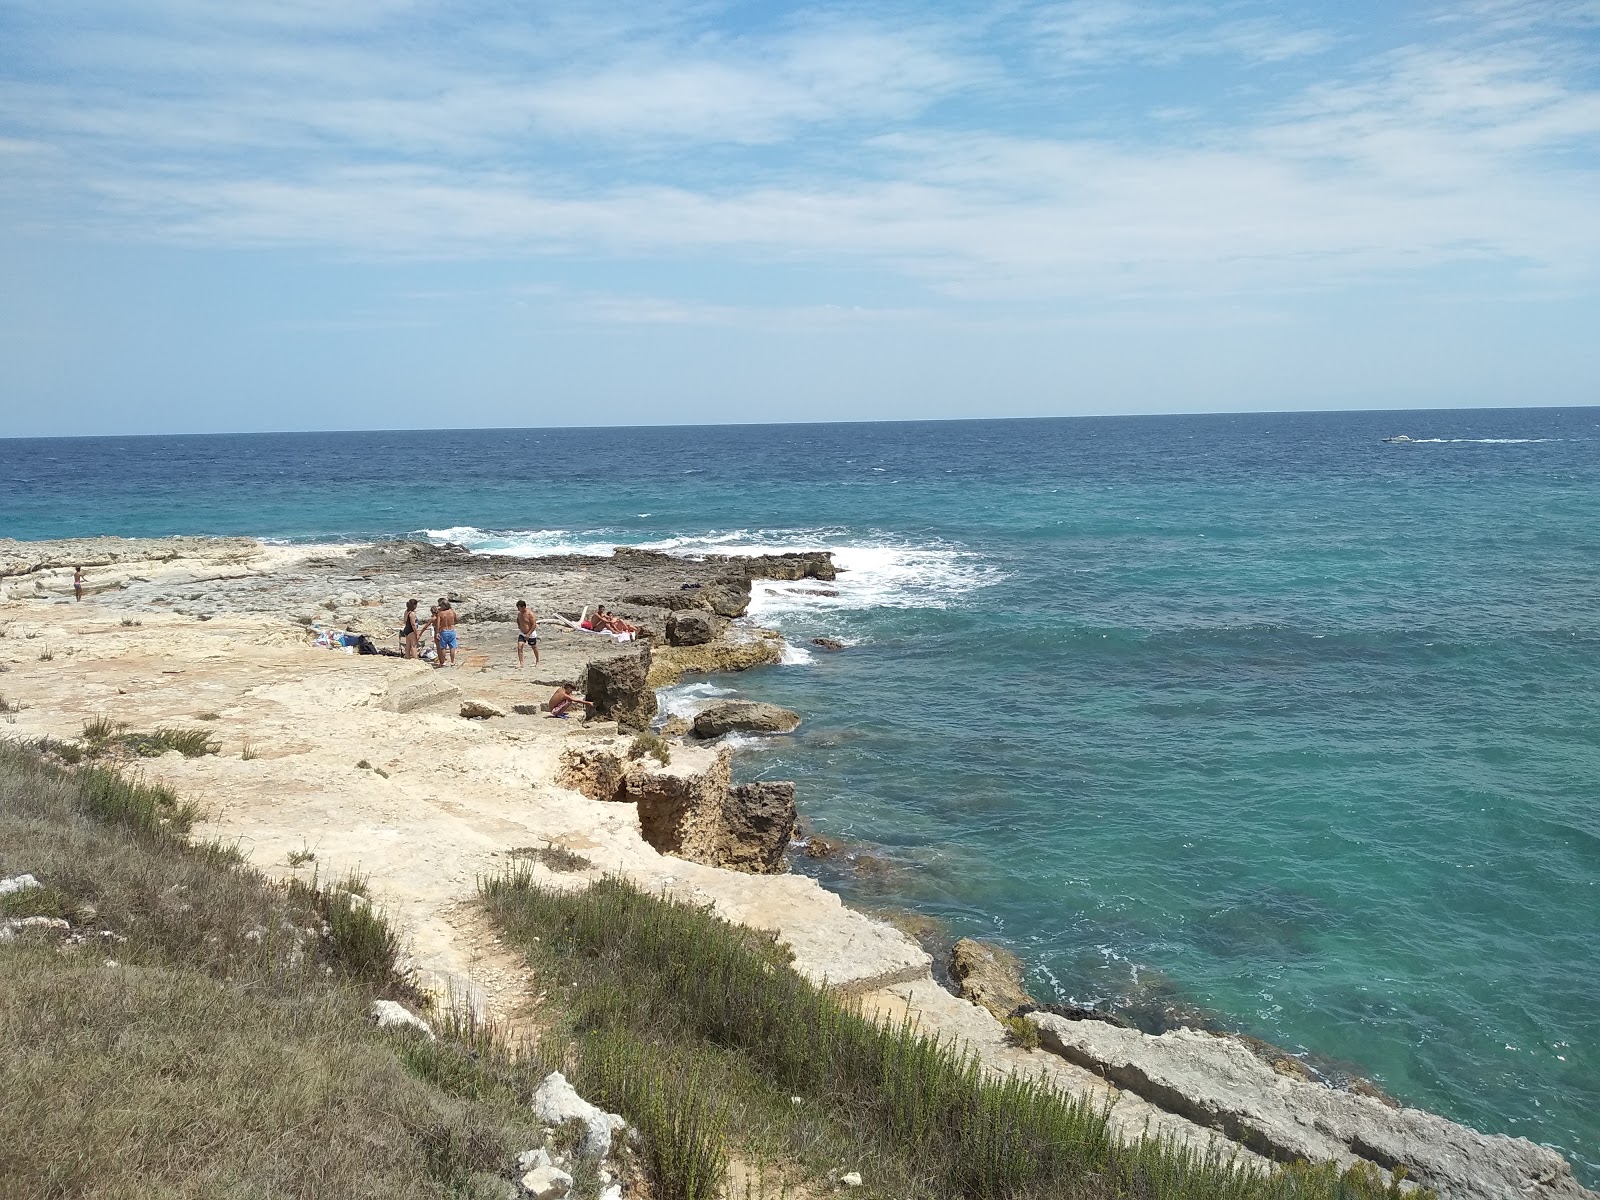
x=444, y=623
x=77, y=583
x=410, y=631
x=527, y=631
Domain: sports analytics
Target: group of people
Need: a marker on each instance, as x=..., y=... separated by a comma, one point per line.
x=442, y=620
x=608, y=622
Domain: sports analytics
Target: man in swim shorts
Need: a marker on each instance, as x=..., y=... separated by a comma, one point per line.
x=527, y=631
x=563, y=699
x=445, y=625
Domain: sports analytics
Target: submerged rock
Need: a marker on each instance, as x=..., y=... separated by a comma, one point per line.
x=828, y=643
x=989, y=975
x=744, y=716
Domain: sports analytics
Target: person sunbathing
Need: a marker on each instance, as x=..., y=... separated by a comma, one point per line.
x=610, y=622
x=563, y=699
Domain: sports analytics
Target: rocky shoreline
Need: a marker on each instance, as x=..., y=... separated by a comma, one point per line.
x=462, y=768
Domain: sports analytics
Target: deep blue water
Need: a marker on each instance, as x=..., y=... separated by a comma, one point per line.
x=1301, y=726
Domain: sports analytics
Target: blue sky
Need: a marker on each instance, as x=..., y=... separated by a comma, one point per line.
x=399, y=213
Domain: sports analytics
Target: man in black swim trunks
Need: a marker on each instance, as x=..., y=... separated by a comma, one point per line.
x=527, y=631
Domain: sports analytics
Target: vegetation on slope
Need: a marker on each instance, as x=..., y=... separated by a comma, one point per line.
x=201, y=1031
x=656, y=989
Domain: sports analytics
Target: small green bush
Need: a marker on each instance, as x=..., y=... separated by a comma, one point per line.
x=653, y=744
x=1022, y=1032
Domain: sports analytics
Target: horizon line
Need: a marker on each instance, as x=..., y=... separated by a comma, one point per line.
x=1243, y=412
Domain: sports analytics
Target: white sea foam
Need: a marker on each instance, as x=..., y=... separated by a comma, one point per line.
x=1483, y=441
x=686, y=699
x=885, y=573
x=525, y=543
x=796, y=656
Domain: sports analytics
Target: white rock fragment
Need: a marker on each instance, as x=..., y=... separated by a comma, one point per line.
x=546, y=1183
x=18, y=883
x=851, y=1179
x=386, y=1014
x=611, y=1192
x=532, y=1160
x=556, y=1103
x=12, y=925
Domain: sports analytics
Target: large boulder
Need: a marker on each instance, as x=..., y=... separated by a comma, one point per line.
x=758, y=822
x=1218, y=1082
x=690, y=627
x=620, y=688
x=989, y=975
x=744, y=716
x=728, y=597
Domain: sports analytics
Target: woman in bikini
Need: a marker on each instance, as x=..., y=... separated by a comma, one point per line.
x=410, y=630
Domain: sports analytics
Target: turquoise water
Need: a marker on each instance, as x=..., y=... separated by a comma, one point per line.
x=1257, y=712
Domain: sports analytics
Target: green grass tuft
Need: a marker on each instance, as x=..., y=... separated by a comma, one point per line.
x=191, y=743
x=101, y=729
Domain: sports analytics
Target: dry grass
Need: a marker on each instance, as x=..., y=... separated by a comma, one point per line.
x=227, y=1052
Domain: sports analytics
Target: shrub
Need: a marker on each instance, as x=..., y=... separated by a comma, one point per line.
x=653, y=744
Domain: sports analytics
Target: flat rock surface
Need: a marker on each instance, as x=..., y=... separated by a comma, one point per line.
x=1218, y=1082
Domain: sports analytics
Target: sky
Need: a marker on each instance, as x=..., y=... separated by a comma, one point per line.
x=303, y=214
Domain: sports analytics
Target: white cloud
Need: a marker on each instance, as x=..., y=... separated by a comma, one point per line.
x=820, y=141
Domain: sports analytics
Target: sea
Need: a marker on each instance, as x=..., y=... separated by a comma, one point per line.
x=1259, y=718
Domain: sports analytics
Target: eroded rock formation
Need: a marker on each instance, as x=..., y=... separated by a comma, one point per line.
x=620, y=688
x=669, y=662
x=757, y=823
x=692, y=808
x=989, y=975
x=690, y=627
